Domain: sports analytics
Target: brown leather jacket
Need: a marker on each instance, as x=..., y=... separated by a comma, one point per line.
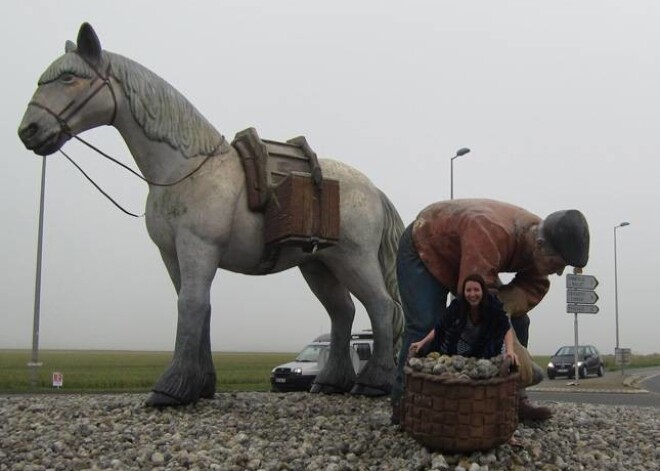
x=458, y=237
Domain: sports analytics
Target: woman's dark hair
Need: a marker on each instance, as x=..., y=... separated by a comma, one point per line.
x=483, y=304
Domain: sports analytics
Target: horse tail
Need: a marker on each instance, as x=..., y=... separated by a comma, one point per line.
x=389, y=244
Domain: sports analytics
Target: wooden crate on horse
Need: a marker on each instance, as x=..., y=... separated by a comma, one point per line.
x=284, y=181
x=299, y=213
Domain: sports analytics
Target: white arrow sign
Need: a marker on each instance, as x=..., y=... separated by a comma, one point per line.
x=582, y=308
x=574, y=296
x=581, y=281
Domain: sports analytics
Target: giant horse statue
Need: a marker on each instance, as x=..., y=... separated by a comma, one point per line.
x=201, y=220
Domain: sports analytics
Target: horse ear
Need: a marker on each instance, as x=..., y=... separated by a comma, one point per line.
x=69, y=46
x=89, y=45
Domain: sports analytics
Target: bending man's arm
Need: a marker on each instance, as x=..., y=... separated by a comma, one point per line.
x=523, y=293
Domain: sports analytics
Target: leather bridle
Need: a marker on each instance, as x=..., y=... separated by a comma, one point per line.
x=76, y=104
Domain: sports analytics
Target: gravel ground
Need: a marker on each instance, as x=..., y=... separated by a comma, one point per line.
x=298, y=431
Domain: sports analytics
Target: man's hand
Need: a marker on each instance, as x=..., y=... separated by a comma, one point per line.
x=512, y=357
x=514, y=300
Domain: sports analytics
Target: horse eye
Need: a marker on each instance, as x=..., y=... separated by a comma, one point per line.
x=67, y=78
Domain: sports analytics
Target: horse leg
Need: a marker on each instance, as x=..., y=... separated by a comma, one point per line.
x=362, y=276
x=206, y=361
x=338, y=375
x=191, y=374
x=205, y=356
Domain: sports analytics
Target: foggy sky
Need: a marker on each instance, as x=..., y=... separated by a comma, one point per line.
x=558, y=101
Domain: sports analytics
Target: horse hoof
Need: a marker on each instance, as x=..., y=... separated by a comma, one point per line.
x=369, y=391
x=318, y=388
x=160, y=400
x=208, y=389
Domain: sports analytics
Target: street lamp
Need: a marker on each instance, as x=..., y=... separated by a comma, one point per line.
x=34, y=363
x=459, y=153
x=616, y=291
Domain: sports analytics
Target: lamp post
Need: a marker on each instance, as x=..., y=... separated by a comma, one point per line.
x=616, y=293
x=459, y=153
x=34, y=363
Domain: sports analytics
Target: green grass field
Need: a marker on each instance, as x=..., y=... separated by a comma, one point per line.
x=129, y=371
x=101, y=371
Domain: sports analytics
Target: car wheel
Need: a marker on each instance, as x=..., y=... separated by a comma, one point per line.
x=551, y=374
x=582, y=372
x=601, y=371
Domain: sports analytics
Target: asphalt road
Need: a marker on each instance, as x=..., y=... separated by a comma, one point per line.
x=646, y=393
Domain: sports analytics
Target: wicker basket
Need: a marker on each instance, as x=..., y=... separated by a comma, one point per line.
x=460, y=415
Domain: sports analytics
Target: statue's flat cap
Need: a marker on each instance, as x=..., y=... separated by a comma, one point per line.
x=567, y=232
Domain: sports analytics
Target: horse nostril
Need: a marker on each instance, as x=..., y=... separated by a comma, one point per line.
x=26, y=132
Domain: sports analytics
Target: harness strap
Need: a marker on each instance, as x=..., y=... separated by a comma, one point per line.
x=106, y=81
x=89, y=179
x=150, y=182
x=64, y=127
x=69, y=111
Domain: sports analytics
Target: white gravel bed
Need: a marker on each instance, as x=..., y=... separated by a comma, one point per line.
x=298, y=431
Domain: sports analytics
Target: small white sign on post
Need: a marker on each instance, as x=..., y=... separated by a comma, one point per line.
x=622, y=356
x=581, y=296
x=581, y=309
x=579, y=281
x=58, y=379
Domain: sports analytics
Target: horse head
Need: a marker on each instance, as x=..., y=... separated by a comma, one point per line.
x=74, y=94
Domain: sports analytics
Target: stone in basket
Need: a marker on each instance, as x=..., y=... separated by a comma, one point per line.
x=455, y=413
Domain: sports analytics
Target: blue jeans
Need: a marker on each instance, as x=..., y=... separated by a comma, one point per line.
x=520, y=325
x=423, y=299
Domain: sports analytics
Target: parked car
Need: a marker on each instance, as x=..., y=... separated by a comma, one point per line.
x=589, y=362
x=299, y=374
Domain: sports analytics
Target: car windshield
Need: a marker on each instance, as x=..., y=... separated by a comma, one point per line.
x=569, y=351
x=310, y=353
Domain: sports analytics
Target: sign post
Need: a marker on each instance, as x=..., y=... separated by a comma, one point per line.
x=580, y=298
x=58, y=379
x=622, y=357
x=575, y=352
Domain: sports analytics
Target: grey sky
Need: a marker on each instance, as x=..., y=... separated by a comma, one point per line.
x=559, y=102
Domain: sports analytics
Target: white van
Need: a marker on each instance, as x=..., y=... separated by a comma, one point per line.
x=299, y=374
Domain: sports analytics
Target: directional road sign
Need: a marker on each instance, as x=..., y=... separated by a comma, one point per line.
x=582, y=308
x=622, y=356
x=575, y=296
x=581, y=281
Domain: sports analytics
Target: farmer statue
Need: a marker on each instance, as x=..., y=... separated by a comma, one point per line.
x=450, y=240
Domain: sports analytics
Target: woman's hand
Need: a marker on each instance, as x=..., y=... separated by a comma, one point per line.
x=416, y=347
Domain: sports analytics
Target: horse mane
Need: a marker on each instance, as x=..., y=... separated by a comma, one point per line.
x=162, y=112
